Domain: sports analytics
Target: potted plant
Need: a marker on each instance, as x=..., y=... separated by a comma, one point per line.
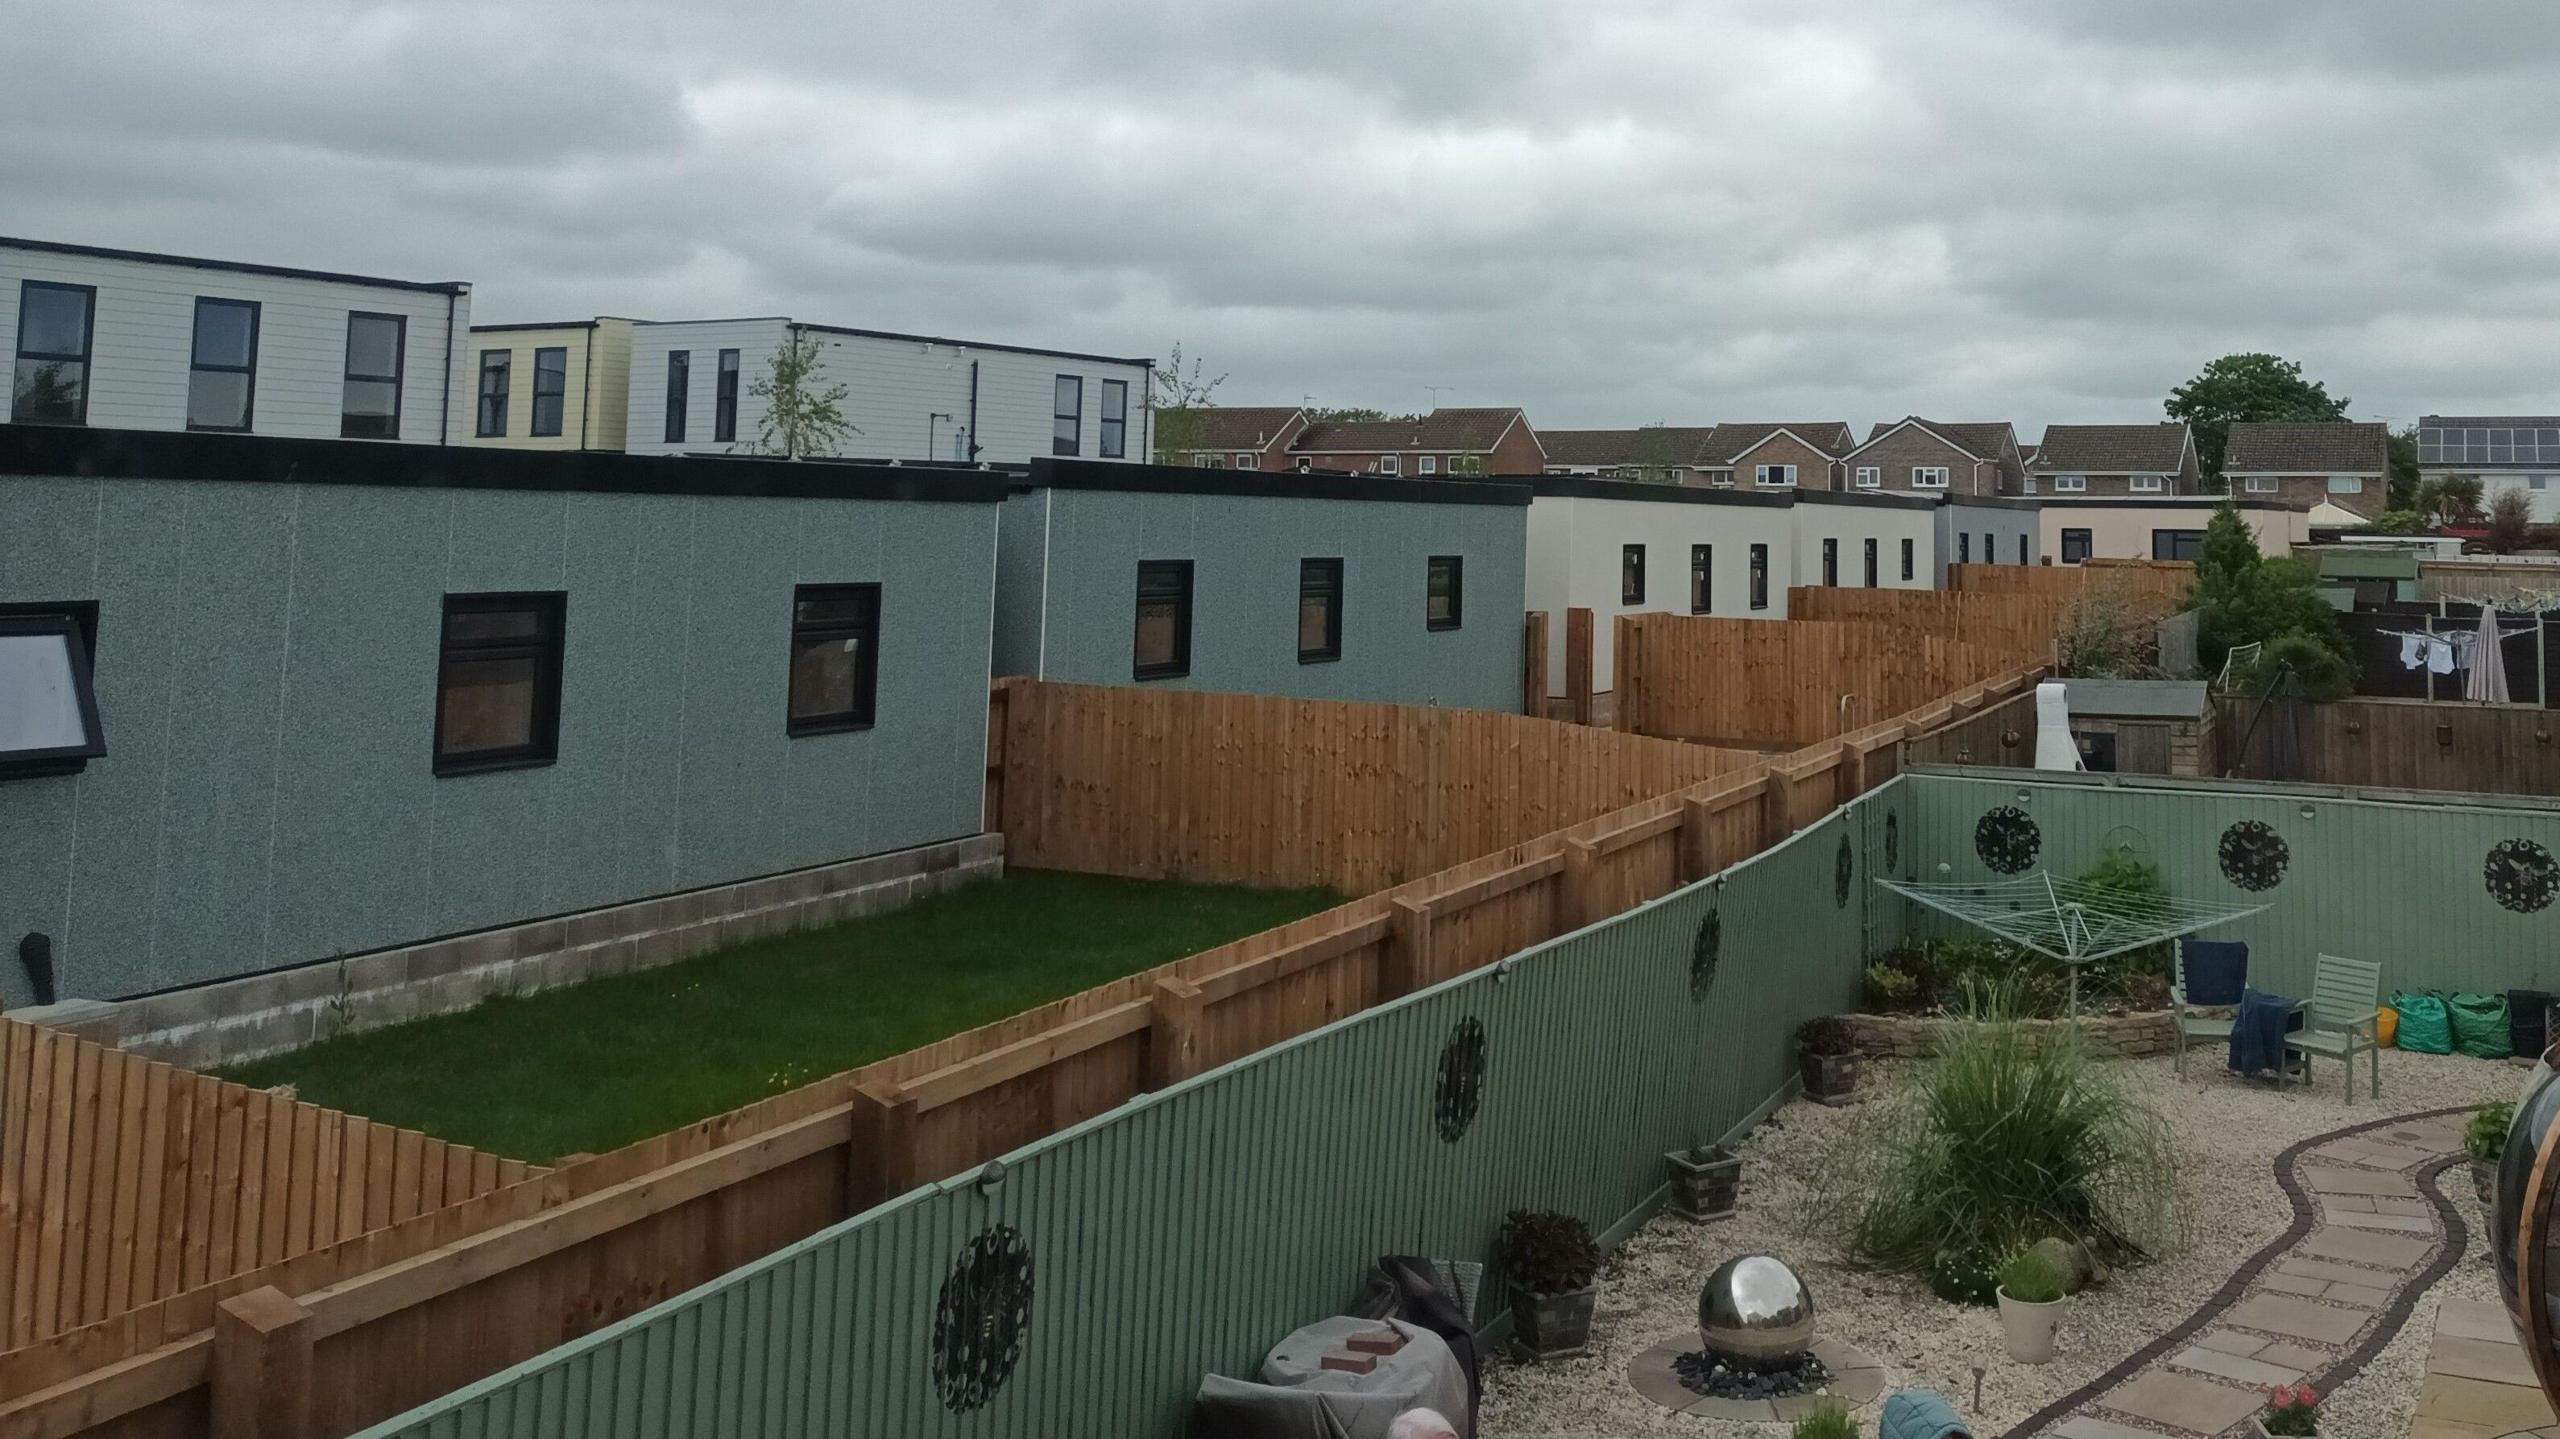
x=1548, y=1262
x=1828, y=1059
x=2485, y=1140
x=1829, y=1420
x=2292, y=1410
x=1704, y=1182
x=2030, y=1306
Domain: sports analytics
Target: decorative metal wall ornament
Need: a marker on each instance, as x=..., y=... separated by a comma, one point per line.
x=2521, y=876
x=1705, y=952
x=2253, y=855
x=1843, y=868
x=1893, y=841
x=980, y=1320
x=1460, y=1090
x=2007, y=840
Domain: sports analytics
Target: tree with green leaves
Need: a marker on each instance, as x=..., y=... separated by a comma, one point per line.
x=1350, y=414
x=2243, y=597
x=803, y=415
x=2510, y=516
x=2251, y=387
x=1180, y=398
x=2401, y=490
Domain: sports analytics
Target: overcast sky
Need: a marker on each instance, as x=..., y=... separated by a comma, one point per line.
x=1611, y=213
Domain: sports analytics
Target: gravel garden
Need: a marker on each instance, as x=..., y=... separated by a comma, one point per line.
x=2171, y=1183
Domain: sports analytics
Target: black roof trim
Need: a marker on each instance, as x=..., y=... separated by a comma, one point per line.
x=1265, y=484
x=101, y=252
x=1583, y=487
x=74, y=451
x=1144, y=364
x=1889, y=499
x=534, y=325
x=1994, y=502
x=2166, y=502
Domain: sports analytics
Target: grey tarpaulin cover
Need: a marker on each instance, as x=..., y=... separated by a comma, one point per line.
x=1300, y=1399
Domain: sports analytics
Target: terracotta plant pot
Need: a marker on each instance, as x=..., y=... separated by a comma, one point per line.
x=1828, y=1078
x=1551, y=1326
x=2030, y=1328
x=1704, y=1183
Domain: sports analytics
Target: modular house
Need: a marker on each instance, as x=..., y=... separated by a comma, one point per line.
x=1618, y=547
x=912, y=398
x=1869, y=541
x=124, y=340
x=2502, y=452
x=2170, y=528
x=553, y=386
x=394, y=714
x=1318, y=586
x=1988, y=530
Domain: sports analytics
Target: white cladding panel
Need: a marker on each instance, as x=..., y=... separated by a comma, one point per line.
x=143, y=335
x=1577, y=552
x=1852, y=525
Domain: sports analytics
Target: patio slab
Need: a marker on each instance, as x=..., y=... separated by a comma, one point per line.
x=2198, y=1406
x=2299, y=1318
x=2388, y=1251
x=2357, y=1181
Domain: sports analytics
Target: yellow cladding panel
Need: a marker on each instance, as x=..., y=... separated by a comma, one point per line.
x=593, y=400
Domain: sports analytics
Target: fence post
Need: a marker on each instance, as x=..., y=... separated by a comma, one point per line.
x=1696, y=842
x=1173, y=1031
x=1777, y=808
x=1405, y=964
x=1577, y=665
x=1626, y=686
x=884, y=1123
x=1533, y=669
x=1575, y=900
x=999, y=704
x=262, y=1369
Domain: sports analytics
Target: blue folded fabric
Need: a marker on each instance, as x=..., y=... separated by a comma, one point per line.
x=1920, y=1414
x=2257, y=1032
x=2217, y=970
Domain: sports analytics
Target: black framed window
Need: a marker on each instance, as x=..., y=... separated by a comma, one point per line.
x=679, y=392
x=550, y=389
x=724, y=399
x=1831, y=562
x=1964, y=548
x=2176, y=544
x=1066, y=415
x=1444, y=593
x=1871, y=564
x=497, y=374
x=222, y=365
x=1702, y=579
x=2075, y=546
x=1631, y=575
x=835, y=658
x=1759, y=577
x=55, y=335
x=1163, y=646
x=48, y=704
x=1990, y=548
x=1115, y=420
x=2022, y=549
x=377, y=357
x=1319, y=611
x=1908, y=560
x=498, y=681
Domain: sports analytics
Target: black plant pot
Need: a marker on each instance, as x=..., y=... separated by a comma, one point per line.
x=1704, y=1183
x=1551, y=1326
x=1828, y=1078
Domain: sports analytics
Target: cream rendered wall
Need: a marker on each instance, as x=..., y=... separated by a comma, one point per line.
x=1576, y=543
x=583, y=422
x=1853, y=521
x=2121, y=530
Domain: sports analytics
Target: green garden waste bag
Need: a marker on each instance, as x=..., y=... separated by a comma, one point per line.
x=2424, y=1028
x=2480, y=1025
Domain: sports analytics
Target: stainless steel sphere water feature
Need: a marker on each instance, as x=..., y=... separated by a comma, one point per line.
x=1754, y=1311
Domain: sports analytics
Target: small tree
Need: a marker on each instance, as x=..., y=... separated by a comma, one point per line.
x=1180, y=399
x=2401, y=490
x=2459, y=498
x=800, y=417
x=2242, y=597
x=2099, y=636
x=2510, y=516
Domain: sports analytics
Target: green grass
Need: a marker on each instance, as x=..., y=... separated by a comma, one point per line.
x=595, y=1066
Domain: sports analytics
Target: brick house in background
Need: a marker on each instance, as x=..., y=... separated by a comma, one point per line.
x=1765, y=455
x=2115, y=460
x=1446, y=441
x=1658, y=453
x=1926, y=457
x=1235, y=437
x=2346, y=463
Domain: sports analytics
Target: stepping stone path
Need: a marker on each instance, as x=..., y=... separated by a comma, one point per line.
x=2370, y=1234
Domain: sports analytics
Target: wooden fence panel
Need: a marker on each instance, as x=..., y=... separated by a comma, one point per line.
x=1780, y=684
x=2395, y=744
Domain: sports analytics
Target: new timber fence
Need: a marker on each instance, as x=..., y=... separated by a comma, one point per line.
x=327, y=1343
x=1777, y=684
x=1262, y=790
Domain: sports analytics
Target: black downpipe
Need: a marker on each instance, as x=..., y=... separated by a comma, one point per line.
x=973, y=410
x=35, y=952
x=444, y=415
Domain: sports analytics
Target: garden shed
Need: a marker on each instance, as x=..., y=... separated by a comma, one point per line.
x=2142, y=726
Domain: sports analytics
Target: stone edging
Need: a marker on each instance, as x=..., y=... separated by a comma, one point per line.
x=2387, y=1321
x=1915, y=1036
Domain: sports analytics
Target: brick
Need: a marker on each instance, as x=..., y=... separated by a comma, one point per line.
x=1385, y=1341
x=1351, y=1363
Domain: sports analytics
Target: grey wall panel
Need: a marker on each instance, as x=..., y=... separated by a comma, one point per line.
x=266, y=677
x=2403, y=884
x=1189, y=1230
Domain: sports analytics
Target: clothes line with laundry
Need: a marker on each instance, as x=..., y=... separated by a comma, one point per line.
x=2440, y=648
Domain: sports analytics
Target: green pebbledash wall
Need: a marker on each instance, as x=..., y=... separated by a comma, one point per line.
x=2459, y=897
x=1191, y=1229
x=266, y=674
x=1068, y=587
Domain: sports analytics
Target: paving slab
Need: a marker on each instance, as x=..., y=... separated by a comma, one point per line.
x=2232, y=1366
x=2388, y=1205
x=2280, y=1282
x=2347, y=1203
x=2475, y=1319
x=2481, y=1359
x=2503, y=1407
x=2359, y=1295
x=2198, y=1406
x=2295, y=1356
x=2083, y=1426
x=2393, y=1223
x=2299, y=1318
x=2390, y=1251
x=2328, y=1273
x=2321, y=1180
x=2231, y=1342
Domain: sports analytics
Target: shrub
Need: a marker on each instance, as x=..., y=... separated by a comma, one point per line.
x=2292, y=1410
x=1829, y=1420
x=2132, y=882
x=1825, y=1034
x=2030, y=1278
x=1889, y=989
x=2004, y=1138
x=1964, y=1277
x=1545, y=1252
x=2485, y=1137
x=2323, y=672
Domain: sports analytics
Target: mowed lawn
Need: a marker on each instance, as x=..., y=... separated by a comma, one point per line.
x=595, y=1066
